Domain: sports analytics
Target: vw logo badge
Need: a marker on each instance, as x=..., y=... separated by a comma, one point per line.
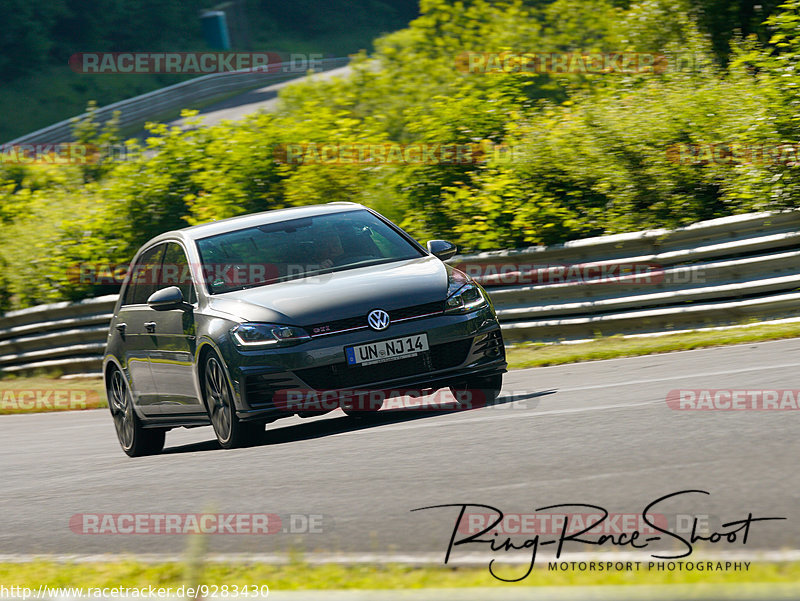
x=378, y=319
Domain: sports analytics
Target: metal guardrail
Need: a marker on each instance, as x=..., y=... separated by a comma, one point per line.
x=712, y=273
x=719, y=272
x=136, y=110
x=67, y=337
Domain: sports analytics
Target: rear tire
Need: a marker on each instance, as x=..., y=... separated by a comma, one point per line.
x=478, y=391
x=231, y=432
x=134, y=439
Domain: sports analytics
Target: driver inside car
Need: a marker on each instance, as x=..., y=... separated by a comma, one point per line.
x=328, y=248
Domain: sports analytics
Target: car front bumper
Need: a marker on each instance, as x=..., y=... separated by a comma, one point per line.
x=460, y=347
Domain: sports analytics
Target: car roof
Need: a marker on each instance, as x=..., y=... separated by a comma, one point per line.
x=196, y=232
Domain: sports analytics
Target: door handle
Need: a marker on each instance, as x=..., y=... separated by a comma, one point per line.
x=150, y=326
x=120, y=327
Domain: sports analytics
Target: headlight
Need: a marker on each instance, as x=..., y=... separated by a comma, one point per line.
x=253, y=335
x=463, y=295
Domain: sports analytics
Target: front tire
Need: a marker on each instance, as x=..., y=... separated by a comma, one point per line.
x=231, y=432
x=478, y=391
x=134, y=439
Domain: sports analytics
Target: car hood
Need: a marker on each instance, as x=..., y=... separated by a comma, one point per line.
x=339, y=295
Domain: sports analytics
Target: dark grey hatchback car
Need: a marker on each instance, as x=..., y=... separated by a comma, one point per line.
x=239, y=322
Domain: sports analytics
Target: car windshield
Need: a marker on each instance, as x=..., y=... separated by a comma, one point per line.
x=298, y=248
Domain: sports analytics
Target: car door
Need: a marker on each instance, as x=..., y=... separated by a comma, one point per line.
x=133, y=321
x=174, y=339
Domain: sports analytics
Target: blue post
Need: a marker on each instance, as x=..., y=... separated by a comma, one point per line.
x=215, y=29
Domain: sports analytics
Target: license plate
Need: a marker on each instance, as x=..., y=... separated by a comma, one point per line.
x=387, y=350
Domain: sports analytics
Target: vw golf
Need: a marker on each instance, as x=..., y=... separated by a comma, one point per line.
x=216, y=322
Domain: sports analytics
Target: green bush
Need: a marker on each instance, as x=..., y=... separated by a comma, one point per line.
x=566, y=156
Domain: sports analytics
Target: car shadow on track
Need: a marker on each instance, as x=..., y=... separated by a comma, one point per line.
x=337, y=425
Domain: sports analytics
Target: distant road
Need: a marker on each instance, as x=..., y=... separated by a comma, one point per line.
x=261, y=99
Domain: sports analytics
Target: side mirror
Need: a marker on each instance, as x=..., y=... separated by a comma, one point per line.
x=168, y=299
x=442, y=249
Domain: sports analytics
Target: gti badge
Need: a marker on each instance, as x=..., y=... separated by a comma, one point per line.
x=378, y=319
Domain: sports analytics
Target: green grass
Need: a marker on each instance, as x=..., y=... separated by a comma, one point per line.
x=539, y=355
x=301, y=575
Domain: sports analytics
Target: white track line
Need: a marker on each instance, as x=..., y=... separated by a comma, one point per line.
x=726, y=372
x=666, y=355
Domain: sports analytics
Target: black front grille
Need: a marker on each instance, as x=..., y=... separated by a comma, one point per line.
x=360, y=321
x=341, y=375
x=417, y=310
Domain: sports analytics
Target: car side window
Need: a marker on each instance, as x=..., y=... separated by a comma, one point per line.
x=128, y=289
x=144, y=275
x=175, y=272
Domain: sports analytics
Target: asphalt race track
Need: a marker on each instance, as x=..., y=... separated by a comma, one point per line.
x=599, y=433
